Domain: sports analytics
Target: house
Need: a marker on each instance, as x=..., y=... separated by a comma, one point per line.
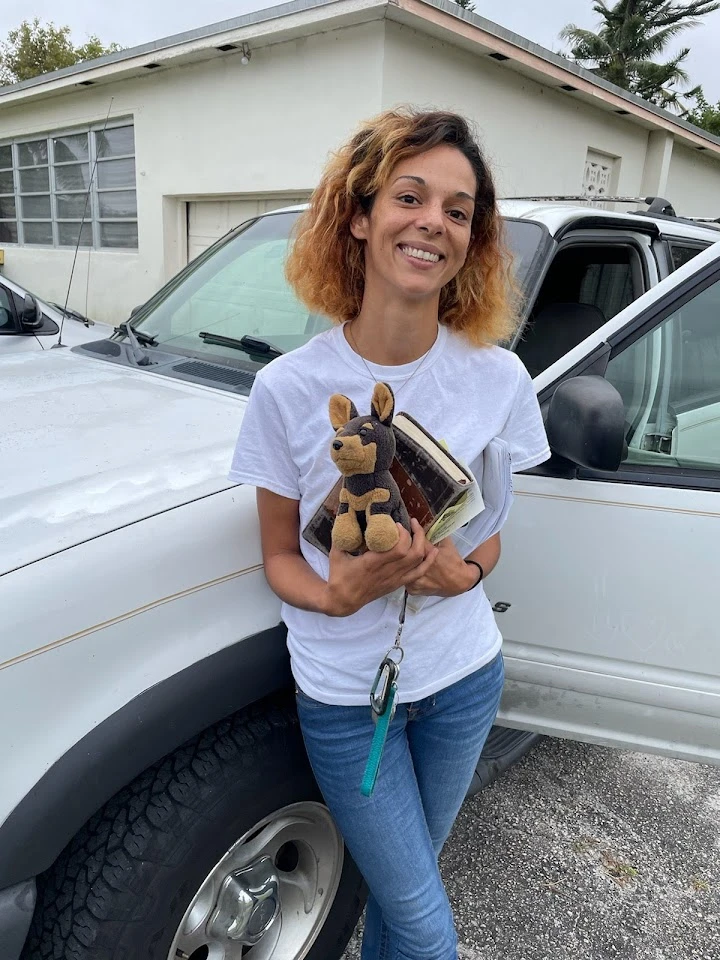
x=186, y=137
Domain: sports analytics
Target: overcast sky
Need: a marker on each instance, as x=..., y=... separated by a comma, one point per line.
x=131, y=22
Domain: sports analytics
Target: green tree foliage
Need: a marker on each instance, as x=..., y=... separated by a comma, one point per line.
x=704, y=114
x=633, y=34
x=466, y=5
x=34, y=48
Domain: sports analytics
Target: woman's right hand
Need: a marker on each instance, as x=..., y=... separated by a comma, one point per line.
x=354, y=581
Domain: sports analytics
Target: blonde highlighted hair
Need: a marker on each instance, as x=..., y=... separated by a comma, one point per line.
x=326, y=264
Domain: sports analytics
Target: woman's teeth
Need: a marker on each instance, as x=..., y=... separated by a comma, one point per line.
x=420, y=254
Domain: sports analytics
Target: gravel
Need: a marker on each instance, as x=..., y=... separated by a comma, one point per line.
x=587, y=853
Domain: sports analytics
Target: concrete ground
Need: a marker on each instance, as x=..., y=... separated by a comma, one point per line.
x=587, y=853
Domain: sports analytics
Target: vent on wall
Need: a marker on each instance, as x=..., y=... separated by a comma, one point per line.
x=600, y=175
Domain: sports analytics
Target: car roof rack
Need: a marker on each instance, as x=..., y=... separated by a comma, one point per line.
x=656, y=206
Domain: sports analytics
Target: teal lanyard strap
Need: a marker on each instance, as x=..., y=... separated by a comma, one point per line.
x=383, y=697
x=372, y=767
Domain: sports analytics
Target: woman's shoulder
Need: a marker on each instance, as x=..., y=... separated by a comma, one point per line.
x=485, y=358
x=301, y=363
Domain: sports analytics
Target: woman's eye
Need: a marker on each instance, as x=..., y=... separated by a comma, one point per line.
x=458, y=215
x=407, y=196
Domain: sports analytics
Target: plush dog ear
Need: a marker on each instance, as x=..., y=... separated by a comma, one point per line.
x=383, y=403
x=342, y=410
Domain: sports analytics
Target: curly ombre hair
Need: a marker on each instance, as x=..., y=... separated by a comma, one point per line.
x=326, y=265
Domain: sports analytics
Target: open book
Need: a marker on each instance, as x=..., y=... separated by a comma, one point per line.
x=438, y=491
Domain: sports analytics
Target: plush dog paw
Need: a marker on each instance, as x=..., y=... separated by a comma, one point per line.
x=381, y=534
x=346, y=533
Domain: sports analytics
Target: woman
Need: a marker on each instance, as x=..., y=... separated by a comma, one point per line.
x=402, y=247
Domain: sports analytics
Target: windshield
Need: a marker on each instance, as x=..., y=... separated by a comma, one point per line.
x=238, y=289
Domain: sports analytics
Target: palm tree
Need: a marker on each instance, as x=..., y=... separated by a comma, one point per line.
x=632, y=34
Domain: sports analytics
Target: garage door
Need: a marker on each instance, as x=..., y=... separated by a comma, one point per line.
x=210, y=219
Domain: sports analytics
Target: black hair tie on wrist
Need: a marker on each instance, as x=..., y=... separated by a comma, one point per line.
x=482, y=574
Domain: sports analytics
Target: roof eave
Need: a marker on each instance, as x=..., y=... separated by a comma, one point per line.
x=546, y=67
x=274, y=24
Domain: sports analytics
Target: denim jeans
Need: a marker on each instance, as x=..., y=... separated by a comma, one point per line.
x=395, y=836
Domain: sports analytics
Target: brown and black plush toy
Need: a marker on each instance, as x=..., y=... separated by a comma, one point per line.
x=363, y=450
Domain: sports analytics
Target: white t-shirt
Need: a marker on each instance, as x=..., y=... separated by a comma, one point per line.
x=462, y=394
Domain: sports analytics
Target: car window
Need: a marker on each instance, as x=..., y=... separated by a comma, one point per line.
x=669, y=380
x=681, y=253
x=585, y=286
x=7, y=318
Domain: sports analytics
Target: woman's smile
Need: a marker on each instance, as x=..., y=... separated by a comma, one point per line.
x=421, y=255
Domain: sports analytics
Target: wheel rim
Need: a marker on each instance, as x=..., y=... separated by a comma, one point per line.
x=270, y=894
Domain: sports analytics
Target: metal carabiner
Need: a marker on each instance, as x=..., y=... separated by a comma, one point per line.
x=381, y=689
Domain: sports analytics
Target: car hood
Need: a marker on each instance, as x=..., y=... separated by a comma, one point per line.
x=87, y=447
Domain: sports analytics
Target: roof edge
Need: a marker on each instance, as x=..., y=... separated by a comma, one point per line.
x=218, y=29
x=505, y=36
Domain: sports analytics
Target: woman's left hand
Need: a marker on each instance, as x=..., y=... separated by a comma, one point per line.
x=449, y=575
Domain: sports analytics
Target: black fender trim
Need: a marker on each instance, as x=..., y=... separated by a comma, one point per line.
x=146, y=729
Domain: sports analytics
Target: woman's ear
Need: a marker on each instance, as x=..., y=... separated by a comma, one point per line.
x=359, y=225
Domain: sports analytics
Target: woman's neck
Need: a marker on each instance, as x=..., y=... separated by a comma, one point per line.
x=393, y=334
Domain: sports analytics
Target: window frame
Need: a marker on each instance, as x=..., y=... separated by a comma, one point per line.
x=92, y=214
x=643, y=266
x=669, y=241
x=596, y=363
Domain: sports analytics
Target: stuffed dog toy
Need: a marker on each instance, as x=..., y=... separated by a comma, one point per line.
x=363, y=450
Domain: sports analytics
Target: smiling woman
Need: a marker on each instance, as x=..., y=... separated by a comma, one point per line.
x=401, y=246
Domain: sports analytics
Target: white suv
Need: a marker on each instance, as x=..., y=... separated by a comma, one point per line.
x=155, y=799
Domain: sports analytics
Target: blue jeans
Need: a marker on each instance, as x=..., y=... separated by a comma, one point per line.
x=396, y=836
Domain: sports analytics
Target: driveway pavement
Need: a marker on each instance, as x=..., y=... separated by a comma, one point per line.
x=587, y=853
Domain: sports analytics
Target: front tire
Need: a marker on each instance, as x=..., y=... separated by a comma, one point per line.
x=221, y=850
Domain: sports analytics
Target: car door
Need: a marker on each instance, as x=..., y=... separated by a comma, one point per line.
x=607, y=593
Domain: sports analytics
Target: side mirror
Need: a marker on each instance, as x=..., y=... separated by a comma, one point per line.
x=586, y=423
x=31, y=317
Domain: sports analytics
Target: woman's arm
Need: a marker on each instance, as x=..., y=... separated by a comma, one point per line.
x=352, y=582
x=450, y=575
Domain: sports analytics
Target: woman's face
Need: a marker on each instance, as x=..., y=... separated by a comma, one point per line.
x=418, y=231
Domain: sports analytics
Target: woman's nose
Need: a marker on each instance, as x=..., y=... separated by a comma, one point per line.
x=431, y=219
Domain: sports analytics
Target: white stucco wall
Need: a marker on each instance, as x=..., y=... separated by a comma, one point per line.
x=536, y=138
x=694, y=183
x=213, y=128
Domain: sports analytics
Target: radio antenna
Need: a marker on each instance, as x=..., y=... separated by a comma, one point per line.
x=82, y=224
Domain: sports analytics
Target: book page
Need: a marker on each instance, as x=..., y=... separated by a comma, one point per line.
x=451, y=519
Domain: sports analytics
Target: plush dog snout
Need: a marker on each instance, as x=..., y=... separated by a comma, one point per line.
x=337, y=445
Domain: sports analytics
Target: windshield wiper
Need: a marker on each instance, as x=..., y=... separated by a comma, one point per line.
x=250, y=345
x=73, y=314
x=146, y=339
